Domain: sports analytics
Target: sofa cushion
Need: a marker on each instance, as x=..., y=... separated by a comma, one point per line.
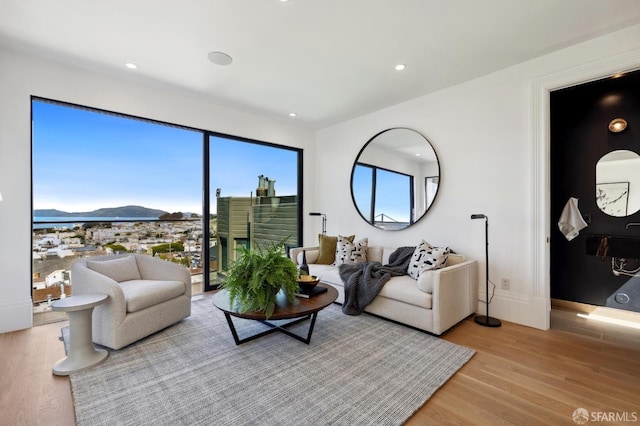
x=403, y=288
x=374, y=254
x=348, y=252
x=386, y=253
x=311, y=255
x=141, y=294
x=328, y=274
x=426, y=257
x=120, y=269
x=426, y=280
x=327, y=246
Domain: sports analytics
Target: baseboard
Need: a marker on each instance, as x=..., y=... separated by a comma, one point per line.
x=15, y=314
x=518, y=308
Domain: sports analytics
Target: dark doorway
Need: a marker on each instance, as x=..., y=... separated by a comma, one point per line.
x=580, y=137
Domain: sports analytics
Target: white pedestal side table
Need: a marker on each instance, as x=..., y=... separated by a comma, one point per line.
x=82, y=354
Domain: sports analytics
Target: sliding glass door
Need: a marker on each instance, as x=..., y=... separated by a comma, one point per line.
x=254, y=198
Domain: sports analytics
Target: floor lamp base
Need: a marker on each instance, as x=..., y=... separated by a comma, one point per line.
x=487, y=321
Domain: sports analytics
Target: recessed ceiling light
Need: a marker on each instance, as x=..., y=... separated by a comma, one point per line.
x=291, y=114
x=219, y=58
x=617, y=125
x=131, y=65
x=400, y=67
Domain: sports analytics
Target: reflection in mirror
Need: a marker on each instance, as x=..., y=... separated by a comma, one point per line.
x=431, y=187
x=395, y=178
x=618, y=183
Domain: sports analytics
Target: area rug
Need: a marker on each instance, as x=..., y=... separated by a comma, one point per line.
x=357, y=370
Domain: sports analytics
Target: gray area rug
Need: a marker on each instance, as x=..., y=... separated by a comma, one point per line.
x=358, y=370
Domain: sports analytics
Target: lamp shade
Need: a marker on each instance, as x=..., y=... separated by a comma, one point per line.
x=324, y=220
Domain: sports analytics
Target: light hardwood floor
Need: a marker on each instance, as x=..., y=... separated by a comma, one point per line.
x=519, y=375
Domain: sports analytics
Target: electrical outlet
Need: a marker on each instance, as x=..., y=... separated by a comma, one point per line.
x=505, y=284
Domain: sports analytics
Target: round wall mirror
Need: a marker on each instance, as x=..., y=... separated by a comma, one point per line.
x=618, y=183
x=395, y=179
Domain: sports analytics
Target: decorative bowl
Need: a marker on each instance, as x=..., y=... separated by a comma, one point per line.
x=307, y=282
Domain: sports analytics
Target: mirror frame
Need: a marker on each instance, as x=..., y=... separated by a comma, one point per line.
x=412, y=219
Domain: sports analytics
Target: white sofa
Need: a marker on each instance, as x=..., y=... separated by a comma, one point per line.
x=453, y=298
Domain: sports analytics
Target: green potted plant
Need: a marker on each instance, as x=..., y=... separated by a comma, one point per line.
x=256, y=277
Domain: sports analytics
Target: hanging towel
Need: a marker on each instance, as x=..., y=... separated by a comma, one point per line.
x=571, y=221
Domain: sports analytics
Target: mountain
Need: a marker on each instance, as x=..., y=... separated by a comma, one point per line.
x=126, y=211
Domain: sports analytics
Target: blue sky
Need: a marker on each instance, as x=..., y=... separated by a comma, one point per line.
x=84, y=160
x=236, y=166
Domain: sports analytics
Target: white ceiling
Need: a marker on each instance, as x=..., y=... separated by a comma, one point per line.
x=327, y=60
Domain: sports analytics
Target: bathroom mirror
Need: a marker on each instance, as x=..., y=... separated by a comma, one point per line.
x=395, y=178
x=618, y=183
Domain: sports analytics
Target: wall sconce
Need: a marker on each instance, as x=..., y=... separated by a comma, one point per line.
x=324, y=221
x=617, y=125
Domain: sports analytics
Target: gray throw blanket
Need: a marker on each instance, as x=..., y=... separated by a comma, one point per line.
x=363, y=281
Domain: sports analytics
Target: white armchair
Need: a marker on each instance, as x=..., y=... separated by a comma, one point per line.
x=145, y=295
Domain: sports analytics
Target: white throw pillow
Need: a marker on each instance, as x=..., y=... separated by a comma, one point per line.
x=426, y=257
x=120, y=269
x=349, y=253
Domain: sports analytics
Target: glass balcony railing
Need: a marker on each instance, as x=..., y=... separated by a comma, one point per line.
x=57, y=243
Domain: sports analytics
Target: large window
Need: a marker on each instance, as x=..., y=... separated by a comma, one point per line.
x=107, y=183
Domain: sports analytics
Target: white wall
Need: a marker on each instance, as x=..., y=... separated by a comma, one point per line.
x=21, y=77
x=484, y=134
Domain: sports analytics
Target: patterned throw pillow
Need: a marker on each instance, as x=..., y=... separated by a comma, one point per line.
x=348, y=252
x=328, y=246
x=426, y=257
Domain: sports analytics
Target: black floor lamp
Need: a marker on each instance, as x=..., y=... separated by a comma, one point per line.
x=324, y=221
x=486, y=320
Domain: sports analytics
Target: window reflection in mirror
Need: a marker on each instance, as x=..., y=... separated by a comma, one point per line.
x=362, y=187
x=383, y=195
x=395, y=179
x=431, y=188
x=618, y=183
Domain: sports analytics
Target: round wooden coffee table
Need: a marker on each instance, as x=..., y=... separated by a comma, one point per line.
x=301, y=309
